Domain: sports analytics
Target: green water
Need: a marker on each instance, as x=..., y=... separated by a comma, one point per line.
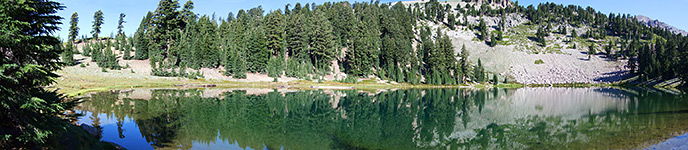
x=525, y=118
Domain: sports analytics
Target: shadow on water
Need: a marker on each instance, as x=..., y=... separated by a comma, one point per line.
x=525, y=118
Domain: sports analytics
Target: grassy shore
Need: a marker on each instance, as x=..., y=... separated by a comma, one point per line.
x=79, y=85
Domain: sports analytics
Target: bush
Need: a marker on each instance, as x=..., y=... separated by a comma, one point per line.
x=350, y=79
x=539, y=61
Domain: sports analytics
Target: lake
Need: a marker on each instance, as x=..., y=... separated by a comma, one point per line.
x=523, y=118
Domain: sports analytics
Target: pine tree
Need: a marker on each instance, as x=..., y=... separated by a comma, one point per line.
x=258, y=53
x=463, y=61
x=164, y=27
x=479, y=72
x=274, y=31
x=483, y=30
x=632, y=61
x=574, y=34
x=127, y=48
x=73, y=27
x=119, y=45
x=541, y=34
x=494, y=79
x=142, y=38
x=240, y=68
x=97, y=21
x=362, y=56
x=493, y=41
x=67, y=54
x=120, y=24
x=591, y=50
x=322, y=48
x=297, y=39
x=31, y=115
x=451, y=20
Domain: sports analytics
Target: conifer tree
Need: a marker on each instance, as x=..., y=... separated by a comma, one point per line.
x=164, y=26
x=451, y=20
x=541, y=34
x=479, y=72
x=591, y=50
x=322, y=40
x=463, y=61
x=632, y=52
x=274, y=31
x=68, y=53
x=120, y=26
x=31, y=115
x=493, y=41
x=142, y=38
x=258, y=53
x=97, y=21
x=483, y=30
x=73, y=27
x=494, y=79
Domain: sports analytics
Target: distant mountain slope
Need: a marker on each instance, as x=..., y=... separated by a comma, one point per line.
x=654, y=23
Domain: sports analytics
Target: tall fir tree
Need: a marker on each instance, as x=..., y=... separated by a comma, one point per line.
x=142, y=38
x=32, y=115
x=322, y=48
x=97, y=22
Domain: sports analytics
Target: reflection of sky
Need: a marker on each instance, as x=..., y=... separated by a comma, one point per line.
x=134, y=140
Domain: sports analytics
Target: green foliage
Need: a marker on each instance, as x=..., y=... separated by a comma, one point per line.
x=479, y=72
x=274, y=32
x=350, y=79
x=239, y=68
x=142, y=39
x=540, y=35
x=493, y=41
x=105, y=58
x=73, y=27
x=67, y=55
x=441, y=62
x=127, y=48
x=451, y=21
x=32, y=117
x=539, y=61
x=258, y=54
x=591, y=50
x=97, y=21
x=463, y=62
x=164, y=26
x=483, y=30
x=120, y=24
x=494, y=79
x=322, y=46
x=275, y=66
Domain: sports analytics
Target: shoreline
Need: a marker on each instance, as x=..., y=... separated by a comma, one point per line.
x=72, y=87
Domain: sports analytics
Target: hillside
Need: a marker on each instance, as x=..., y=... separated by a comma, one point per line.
x=416, y=42
x=516, y=57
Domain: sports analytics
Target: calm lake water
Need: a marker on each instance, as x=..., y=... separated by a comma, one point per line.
x=524, y=118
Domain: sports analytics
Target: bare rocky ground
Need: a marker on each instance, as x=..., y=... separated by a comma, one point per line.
x=516, y=59
x=565, y=66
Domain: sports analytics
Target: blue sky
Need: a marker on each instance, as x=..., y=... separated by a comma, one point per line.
x=669, y=11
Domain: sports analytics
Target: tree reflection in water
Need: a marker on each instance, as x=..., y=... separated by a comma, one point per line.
x=401, y=119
